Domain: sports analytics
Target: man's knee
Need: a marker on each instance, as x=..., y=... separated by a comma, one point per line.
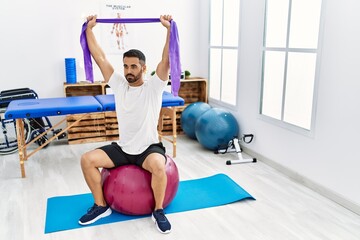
x=88, y=159
x=155, y=164
x=96, y=158
x=84, y=161
x=159, y=169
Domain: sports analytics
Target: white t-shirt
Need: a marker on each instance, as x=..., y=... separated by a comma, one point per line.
x=137, y=111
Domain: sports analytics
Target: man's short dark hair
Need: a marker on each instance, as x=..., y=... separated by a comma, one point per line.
x=135, y=53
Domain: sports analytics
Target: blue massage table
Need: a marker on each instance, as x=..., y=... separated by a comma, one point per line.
x=168, y=100
x=32, y=108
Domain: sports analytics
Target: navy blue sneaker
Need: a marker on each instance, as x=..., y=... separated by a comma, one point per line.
x=161, y=222
x=95, y=213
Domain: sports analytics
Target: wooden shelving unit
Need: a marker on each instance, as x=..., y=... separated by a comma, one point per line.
x=97, y=127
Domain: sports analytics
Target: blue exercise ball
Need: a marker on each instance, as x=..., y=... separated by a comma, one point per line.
x=215, y=128
x=189, y=116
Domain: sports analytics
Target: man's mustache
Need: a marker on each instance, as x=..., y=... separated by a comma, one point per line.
x=128, y=75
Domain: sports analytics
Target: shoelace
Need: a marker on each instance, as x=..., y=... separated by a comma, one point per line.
x=92, y=209
x=161, y=216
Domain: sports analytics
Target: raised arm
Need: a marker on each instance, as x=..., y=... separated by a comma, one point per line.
x=163, y=67
x=96, y=52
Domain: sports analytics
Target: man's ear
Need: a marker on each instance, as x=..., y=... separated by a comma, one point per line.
x=144, y=68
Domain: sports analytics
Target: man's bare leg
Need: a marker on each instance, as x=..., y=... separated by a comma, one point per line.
x=155, y=164
x=90, y=164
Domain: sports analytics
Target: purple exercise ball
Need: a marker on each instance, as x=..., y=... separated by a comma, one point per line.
x=127, y=189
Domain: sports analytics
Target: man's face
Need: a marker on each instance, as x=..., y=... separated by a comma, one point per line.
x=133, y=70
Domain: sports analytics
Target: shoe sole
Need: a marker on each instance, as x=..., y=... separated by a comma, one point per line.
x=166, y=232
x=105, y=214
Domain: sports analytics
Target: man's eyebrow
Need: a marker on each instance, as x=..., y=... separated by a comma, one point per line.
x=132, y=65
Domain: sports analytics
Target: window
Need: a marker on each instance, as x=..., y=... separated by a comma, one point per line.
x=223, y=51
x=289, y=60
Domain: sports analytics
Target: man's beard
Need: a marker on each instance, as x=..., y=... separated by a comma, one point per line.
x=131, y=78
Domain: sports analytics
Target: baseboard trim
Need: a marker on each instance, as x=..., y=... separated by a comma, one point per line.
x=339, y=199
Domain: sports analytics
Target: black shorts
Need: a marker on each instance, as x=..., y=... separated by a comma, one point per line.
x=121, y=158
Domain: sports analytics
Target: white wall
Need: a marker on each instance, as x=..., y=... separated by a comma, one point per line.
x=37, y=35
x=330, y=159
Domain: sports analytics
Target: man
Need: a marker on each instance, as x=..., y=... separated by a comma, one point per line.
x=138, y=105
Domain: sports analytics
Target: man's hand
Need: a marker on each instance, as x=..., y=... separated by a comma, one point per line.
x=165, y=20
x=91, y=21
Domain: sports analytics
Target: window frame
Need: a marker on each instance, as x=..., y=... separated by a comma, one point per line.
x=280, y=122
x=220, y=102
